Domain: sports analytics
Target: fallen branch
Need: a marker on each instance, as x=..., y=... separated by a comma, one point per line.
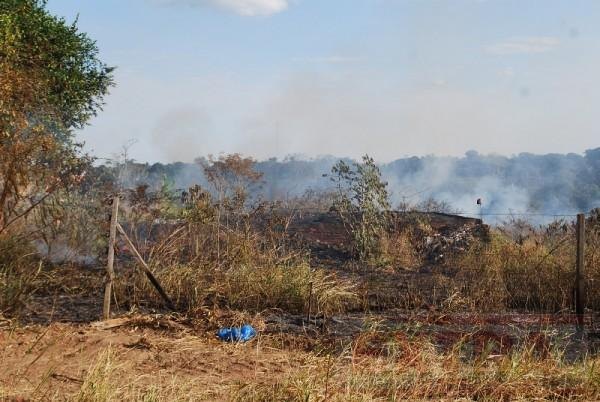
x=64, y=377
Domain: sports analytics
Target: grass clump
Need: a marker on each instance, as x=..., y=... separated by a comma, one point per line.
x=286, y=285
x=98, y=385
x=534, y=273
x=399, y=249
x=110, y=379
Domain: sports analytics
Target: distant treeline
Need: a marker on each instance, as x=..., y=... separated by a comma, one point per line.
x=551, y=183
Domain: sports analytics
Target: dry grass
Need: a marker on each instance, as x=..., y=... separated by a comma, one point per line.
x=378, y=365
x=235, y=265
x=519, y=267
x=535, y=273
x=104, y=383
x=240, y=259
x=98, y=383
x=285, y=285
x=399, y=249
x=414, y=369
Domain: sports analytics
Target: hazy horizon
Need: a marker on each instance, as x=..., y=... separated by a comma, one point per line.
x=115, y=156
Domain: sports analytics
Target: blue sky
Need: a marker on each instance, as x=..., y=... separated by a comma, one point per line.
x=344, y=77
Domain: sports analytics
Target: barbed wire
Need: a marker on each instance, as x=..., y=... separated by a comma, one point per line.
x=557, y=215
x=471, y=215
x=457, y=213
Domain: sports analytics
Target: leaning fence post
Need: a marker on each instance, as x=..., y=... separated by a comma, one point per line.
x=111, y=257
x=579, y=269
x=146, y=268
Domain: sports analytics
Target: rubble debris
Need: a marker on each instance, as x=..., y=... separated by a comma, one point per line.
x=439, y=245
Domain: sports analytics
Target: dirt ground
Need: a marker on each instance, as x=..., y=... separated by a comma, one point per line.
x=165, y=352
x=51, y=362
x=53, y=352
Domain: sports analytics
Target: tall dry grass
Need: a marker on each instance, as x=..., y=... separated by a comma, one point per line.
x=241, y=259
x=518, y=266
x=529, y=268
x=98, y=384
x=399, y=249
x=288, y=285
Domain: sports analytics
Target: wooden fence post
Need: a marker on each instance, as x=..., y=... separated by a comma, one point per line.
x=579, y=270
x=111, y=258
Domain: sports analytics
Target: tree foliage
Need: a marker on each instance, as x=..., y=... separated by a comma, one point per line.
x=362, y=201
x=232, y=177
x=51, y=82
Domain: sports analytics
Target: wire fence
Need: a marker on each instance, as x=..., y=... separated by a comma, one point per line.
x=539, y=288
x=459, y=213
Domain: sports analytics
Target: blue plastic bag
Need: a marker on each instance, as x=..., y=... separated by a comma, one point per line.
x=236, y=334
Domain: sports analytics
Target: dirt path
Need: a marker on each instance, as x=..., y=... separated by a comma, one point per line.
x=52, y=362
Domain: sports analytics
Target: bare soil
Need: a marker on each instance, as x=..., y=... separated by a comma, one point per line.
x=50, y=352
x=40, y=361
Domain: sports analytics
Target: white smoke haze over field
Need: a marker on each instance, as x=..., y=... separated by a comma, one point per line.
x=347, y=115
x=60, y=253
x=438, y=181
x=316, y=114
x=438, y=178
x=260, y=87
x=509, y=186
x=392, y=79
x=178, y=133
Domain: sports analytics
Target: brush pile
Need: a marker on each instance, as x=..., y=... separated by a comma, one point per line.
x=438, y=245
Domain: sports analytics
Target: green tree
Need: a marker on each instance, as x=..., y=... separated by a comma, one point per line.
x=362, y=201
x=51, y=82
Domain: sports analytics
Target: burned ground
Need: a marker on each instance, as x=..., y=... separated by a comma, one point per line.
x=405, y=319
x=324, y=232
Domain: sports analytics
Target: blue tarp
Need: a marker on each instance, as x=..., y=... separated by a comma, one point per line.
x=236, y=334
